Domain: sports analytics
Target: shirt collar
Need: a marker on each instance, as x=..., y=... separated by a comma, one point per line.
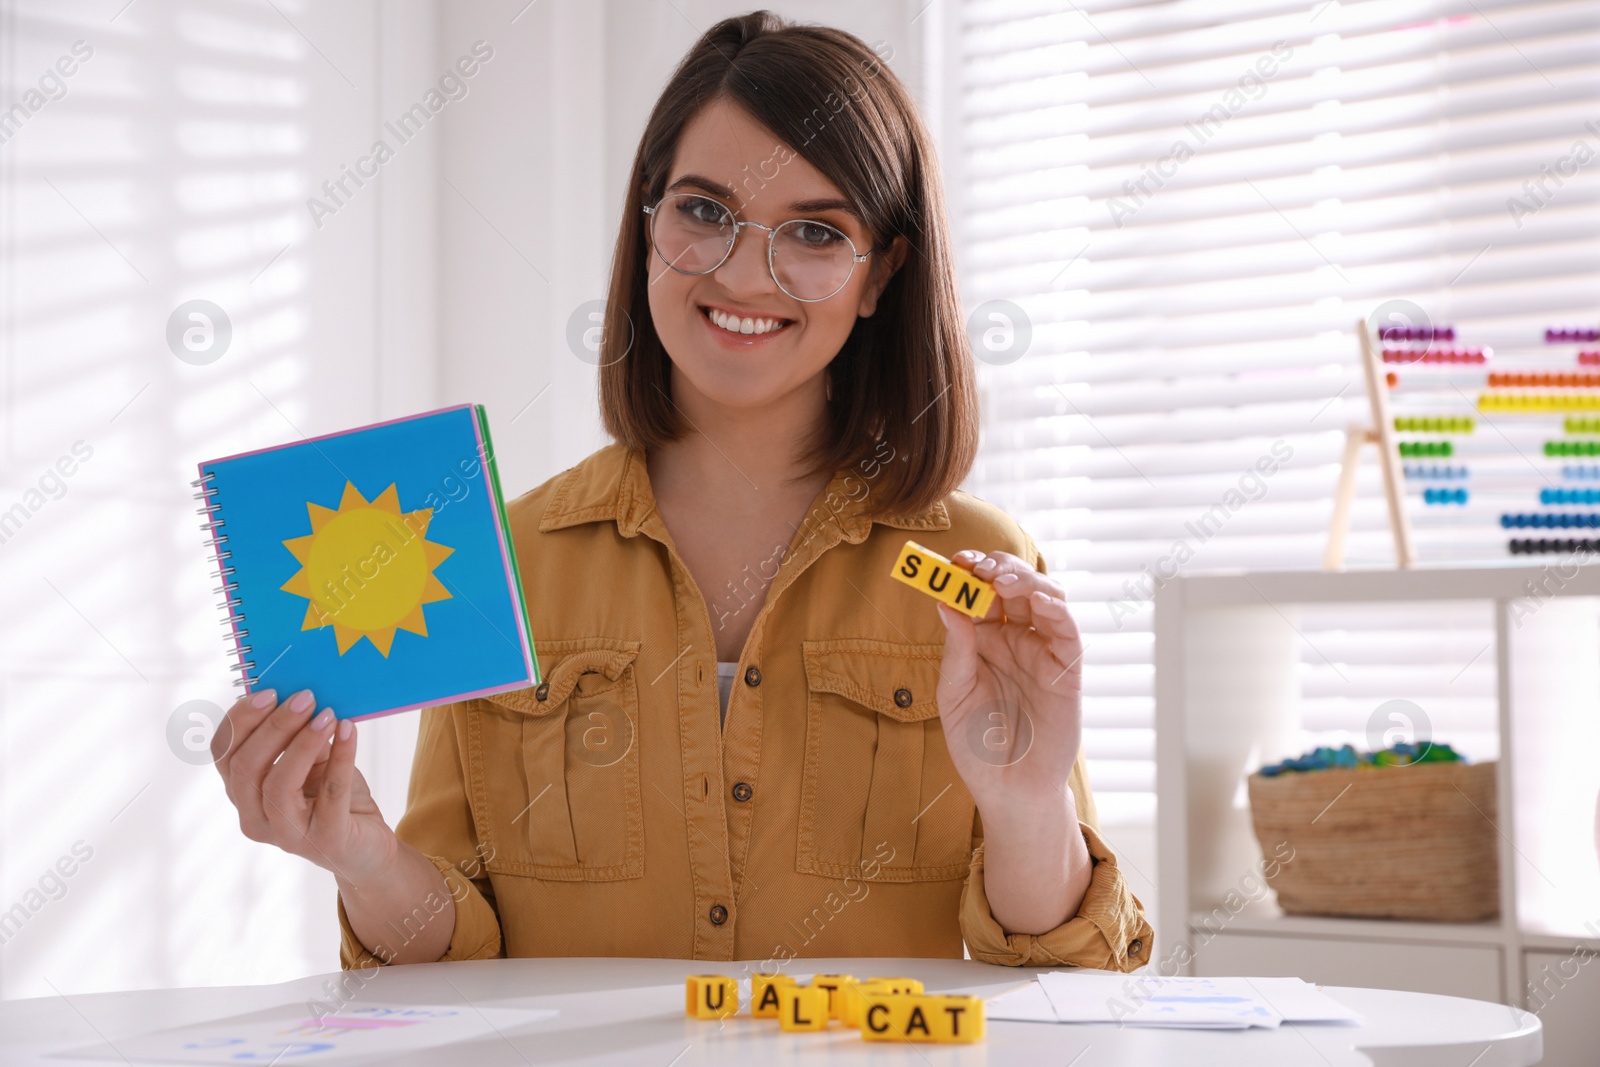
x=613, y=484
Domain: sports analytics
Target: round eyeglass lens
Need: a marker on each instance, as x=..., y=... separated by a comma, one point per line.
x=691, y=233
x=811, y=260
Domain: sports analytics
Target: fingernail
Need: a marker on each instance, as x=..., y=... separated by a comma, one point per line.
x=300, y=702
x=1005, y=579
x=346, y=728
x=324, y=717
x=943, y=617
x=263, y=698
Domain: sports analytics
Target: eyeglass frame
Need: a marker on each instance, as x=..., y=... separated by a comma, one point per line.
x=738, y=231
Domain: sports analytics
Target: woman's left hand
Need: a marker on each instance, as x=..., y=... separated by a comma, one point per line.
x=1009, y=689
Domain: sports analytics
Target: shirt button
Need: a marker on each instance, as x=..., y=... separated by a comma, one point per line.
x=752, y=676
x=902, y=697
x=742, y=791
x=543, y=692
x=719, y=915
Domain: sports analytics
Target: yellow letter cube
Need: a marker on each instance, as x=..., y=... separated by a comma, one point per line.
x=897, y=985
x=711, y=996
x=913, y=1017
x=764, y=994
x=925, y=570
x=850, y=1015
x=835, y=985
x=802, y=1007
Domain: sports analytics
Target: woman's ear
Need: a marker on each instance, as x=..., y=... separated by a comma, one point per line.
x=884, y=265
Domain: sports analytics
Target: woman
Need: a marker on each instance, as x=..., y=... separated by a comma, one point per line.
x=792, y=395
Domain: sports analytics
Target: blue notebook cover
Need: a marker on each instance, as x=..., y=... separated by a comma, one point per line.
x=372, y=566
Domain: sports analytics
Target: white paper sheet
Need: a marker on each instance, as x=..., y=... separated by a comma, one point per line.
x=1025, y=1005
x=1200, y=1003
x=291, y=1034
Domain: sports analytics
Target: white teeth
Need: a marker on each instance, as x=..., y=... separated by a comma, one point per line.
x=735, y=324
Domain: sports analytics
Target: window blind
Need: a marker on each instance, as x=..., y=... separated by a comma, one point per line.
x=1169, y=218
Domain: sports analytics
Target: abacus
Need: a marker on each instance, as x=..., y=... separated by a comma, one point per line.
x=1478, y=447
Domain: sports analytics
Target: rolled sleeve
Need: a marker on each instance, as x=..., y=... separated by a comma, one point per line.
x=476, y=935
x=1109, y=932
x=438, y=823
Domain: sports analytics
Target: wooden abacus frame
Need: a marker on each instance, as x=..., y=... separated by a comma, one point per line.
x=1381, y=433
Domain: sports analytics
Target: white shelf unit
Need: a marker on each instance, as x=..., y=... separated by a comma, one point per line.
x=1228, y=655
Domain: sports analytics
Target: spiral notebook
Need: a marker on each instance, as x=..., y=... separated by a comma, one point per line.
x=373, y=566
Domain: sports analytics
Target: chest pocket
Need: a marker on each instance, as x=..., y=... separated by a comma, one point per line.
x=556, y=768
x=880, y=797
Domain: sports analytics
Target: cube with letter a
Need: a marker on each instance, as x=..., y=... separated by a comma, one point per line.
x=764, y=994
x=802, y=1007
x=711, y=996
x=914, y=1017
x=926, y=571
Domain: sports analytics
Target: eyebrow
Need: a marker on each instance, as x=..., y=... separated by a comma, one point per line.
x=715, y=189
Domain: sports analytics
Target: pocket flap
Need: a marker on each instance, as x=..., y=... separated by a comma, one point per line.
x=877, y=674
x=569, y=661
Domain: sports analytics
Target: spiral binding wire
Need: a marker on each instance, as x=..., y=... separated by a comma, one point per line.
x=234, y=620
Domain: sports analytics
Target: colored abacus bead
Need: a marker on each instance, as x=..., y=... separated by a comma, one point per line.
x=1432, y=424
x=1567, y=334
x=1558, y=379
x=1444, y=496
x=1572, y=448
x=1533, y=546
x=1416, y=333
x=1550, y=520
x=1569, y=496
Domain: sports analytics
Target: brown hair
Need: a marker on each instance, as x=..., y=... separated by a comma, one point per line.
x=905, y=375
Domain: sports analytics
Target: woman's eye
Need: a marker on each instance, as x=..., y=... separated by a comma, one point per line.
x=703, y=211
x=819, y=236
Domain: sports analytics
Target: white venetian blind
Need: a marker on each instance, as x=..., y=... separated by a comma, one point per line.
x=1186, y=207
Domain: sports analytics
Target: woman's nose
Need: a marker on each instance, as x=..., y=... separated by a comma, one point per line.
x=745, y=270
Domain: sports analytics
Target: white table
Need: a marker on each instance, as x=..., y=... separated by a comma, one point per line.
x=598, y=1024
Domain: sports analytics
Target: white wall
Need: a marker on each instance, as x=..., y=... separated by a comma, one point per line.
x=177, y=166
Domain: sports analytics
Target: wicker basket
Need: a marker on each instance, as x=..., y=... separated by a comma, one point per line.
x=1413, y=842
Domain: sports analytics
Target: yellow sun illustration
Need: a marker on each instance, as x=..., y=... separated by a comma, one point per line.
x=367, y=569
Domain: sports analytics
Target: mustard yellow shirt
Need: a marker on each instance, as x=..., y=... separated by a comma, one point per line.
x=607, y=812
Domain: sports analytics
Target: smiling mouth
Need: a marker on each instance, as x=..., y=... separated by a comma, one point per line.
x=706, y=313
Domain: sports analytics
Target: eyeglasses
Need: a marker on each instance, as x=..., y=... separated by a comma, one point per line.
x=695, y=235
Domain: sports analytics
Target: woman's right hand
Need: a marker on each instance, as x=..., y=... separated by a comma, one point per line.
x=293, y=778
